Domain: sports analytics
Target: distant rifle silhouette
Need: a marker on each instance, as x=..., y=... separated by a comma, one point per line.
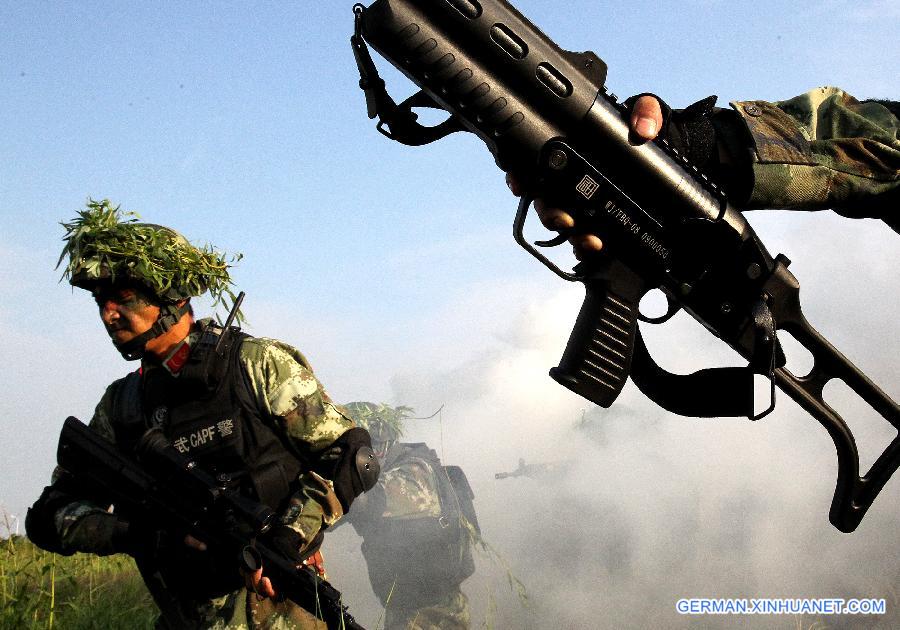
x=535, y=471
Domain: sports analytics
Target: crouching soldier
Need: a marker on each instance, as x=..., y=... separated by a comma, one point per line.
x=418, y=526
x=252, y=415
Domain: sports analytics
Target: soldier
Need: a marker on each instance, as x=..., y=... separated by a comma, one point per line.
x=278, y=437
x=823, y=149
x=418, y=525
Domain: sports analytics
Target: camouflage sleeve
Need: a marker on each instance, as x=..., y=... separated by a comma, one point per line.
x=285, y=387
x=410, y=491
x=824, y=149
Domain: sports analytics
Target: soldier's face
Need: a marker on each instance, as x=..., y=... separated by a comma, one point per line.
x=126, y=312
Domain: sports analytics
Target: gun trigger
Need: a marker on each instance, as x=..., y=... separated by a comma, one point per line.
x=559, y=239
x=519, y=224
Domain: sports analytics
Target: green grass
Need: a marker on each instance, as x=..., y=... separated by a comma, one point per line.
x=39, y=589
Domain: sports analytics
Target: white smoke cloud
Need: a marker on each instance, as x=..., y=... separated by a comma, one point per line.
x=651, y=508
x=654, y=507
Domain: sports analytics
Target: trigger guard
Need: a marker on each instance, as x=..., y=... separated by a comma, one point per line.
x=519, y=224
x=673, y=308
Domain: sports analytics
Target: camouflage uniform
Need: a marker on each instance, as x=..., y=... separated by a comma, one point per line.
x=288, y=393
x=253, y=414
x=824, y=149
x=418, y=549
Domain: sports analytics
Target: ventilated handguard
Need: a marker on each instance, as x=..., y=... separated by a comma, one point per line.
x=545, y=114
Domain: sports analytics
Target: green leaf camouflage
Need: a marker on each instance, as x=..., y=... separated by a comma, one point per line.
x=105, y=243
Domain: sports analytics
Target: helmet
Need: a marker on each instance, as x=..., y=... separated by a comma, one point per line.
x=106, y=246
x=384, y=423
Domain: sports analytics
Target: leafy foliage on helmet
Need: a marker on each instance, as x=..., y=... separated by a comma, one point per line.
x=383, y=422
x=106, y=244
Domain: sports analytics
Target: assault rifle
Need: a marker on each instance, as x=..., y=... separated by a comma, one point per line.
x=547, y=116
x=171, y=493
x=535, y=471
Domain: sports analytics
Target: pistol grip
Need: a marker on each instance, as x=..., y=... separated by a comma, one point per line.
x=597, y=359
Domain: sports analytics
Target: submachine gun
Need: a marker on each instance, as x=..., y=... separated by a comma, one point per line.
x=547, y=116
x=171, y=492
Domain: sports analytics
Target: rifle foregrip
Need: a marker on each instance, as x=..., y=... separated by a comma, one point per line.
x=597, y=359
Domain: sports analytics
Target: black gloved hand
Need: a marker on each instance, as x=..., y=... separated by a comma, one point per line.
x=102, y=533
x=690, y=131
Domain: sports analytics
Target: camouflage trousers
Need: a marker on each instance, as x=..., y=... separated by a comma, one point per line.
x=243, y=610
x=450, y=613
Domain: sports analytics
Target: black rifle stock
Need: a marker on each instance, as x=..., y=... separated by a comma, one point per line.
x=546, y=115
x=170, y=492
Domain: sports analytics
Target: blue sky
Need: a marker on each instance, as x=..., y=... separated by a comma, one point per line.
x=393, y=268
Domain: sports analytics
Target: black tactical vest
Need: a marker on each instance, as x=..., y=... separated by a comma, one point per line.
x=210, y=415
x=417, y=561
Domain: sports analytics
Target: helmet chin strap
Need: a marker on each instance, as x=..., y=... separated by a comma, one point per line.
x=169, y=314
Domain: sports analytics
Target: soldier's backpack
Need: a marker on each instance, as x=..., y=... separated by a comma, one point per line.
x=414, y=562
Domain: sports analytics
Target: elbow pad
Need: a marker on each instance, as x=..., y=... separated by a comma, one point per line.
x=353, y=465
